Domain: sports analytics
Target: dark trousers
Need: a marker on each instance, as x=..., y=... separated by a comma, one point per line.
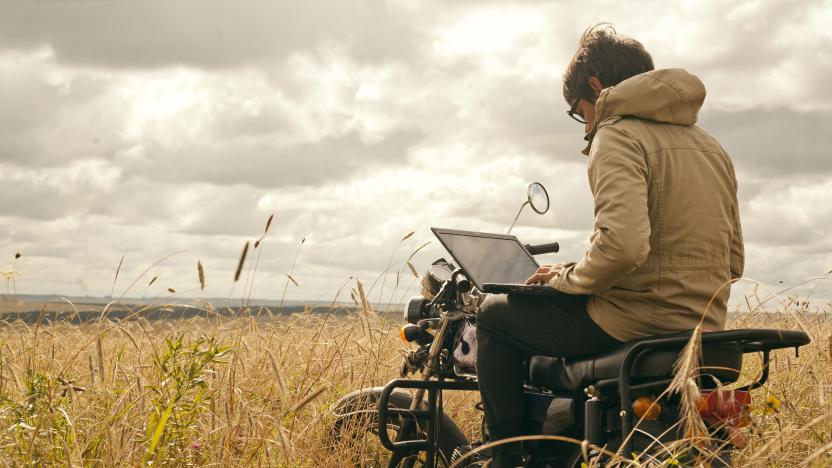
x=510, y=329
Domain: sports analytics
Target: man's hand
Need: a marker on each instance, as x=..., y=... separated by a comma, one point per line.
x=545, y=273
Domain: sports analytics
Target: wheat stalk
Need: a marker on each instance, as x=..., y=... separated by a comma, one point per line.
x=686, y=373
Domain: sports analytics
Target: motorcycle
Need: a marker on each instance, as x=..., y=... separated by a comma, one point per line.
x=595, y=409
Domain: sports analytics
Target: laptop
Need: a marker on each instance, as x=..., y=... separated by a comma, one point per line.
x=495, y=263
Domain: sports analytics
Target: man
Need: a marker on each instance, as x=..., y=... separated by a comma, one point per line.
x=666, y=235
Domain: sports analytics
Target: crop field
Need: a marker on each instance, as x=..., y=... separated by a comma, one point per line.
x=244, y=391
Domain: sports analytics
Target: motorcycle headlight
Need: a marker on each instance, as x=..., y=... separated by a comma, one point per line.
x=415, y=309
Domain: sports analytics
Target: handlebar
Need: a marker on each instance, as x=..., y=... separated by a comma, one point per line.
x=540, y=249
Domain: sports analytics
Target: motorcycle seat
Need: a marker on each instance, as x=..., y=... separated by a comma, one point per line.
x=722, y=360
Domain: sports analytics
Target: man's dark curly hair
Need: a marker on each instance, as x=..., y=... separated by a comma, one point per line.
x=604, y=54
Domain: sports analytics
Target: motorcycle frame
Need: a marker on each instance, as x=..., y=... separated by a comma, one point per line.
x=751, y=340
x=429, y=417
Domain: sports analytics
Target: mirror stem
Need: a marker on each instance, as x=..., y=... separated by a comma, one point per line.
x=516, y=217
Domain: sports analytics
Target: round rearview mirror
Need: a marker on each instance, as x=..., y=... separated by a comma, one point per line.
x=538, y=198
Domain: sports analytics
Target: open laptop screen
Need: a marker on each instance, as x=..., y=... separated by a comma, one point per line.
x=488, y=258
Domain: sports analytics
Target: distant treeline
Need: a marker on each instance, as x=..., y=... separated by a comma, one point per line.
x=162, y=312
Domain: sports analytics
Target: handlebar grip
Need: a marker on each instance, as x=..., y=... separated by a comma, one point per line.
x=540, y=249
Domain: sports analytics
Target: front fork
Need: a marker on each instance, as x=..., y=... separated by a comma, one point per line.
x=408, y=427
x=433, y=360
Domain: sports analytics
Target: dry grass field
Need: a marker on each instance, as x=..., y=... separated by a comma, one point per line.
x=245, y=392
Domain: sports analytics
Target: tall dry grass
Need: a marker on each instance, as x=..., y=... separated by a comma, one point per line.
x=235, y=390
x=258, y=392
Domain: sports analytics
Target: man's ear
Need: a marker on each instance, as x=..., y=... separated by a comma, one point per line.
x=596, y=85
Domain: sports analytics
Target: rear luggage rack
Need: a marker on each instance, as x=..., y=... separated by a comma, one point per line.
x=751, y=340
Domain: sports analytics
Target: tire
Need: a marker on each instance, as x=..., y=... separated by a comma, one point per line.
x=359, y=410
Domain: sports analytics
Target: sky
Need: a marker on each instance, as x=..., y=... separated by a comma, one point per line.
x=166, y=133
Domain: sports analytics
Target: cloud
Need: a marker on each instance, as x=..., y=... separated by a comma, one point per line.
x=531, y=115
x=204, y=34
x=790, y=214
x=52, y=115
x=774, y=141
x=54, y=192
x=180, y=126
x=132, y=128
x=262, y=164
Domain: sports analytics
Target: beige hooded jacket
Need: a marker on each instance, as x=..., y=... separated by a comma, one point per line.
x=667, y=234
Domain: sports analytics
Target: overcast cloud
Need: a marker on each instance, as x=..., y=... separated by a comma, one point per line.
x=142, y=129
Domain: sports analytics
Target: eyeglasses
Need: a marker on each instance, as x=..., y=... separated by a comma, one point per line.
x=576, y=116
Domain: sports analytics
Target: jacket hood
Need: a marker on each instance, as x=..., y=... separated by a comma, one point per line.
x=671, y=96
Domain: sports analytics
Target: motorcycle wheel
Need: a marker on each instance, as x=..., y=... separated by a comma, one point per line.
x=357, y=417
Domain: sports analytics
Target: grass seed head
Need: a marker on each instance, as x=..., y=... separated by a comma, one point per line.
x=241, y=262
x=413, y=269
x=268, y=224
x=201, y=273
x=293, y=280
